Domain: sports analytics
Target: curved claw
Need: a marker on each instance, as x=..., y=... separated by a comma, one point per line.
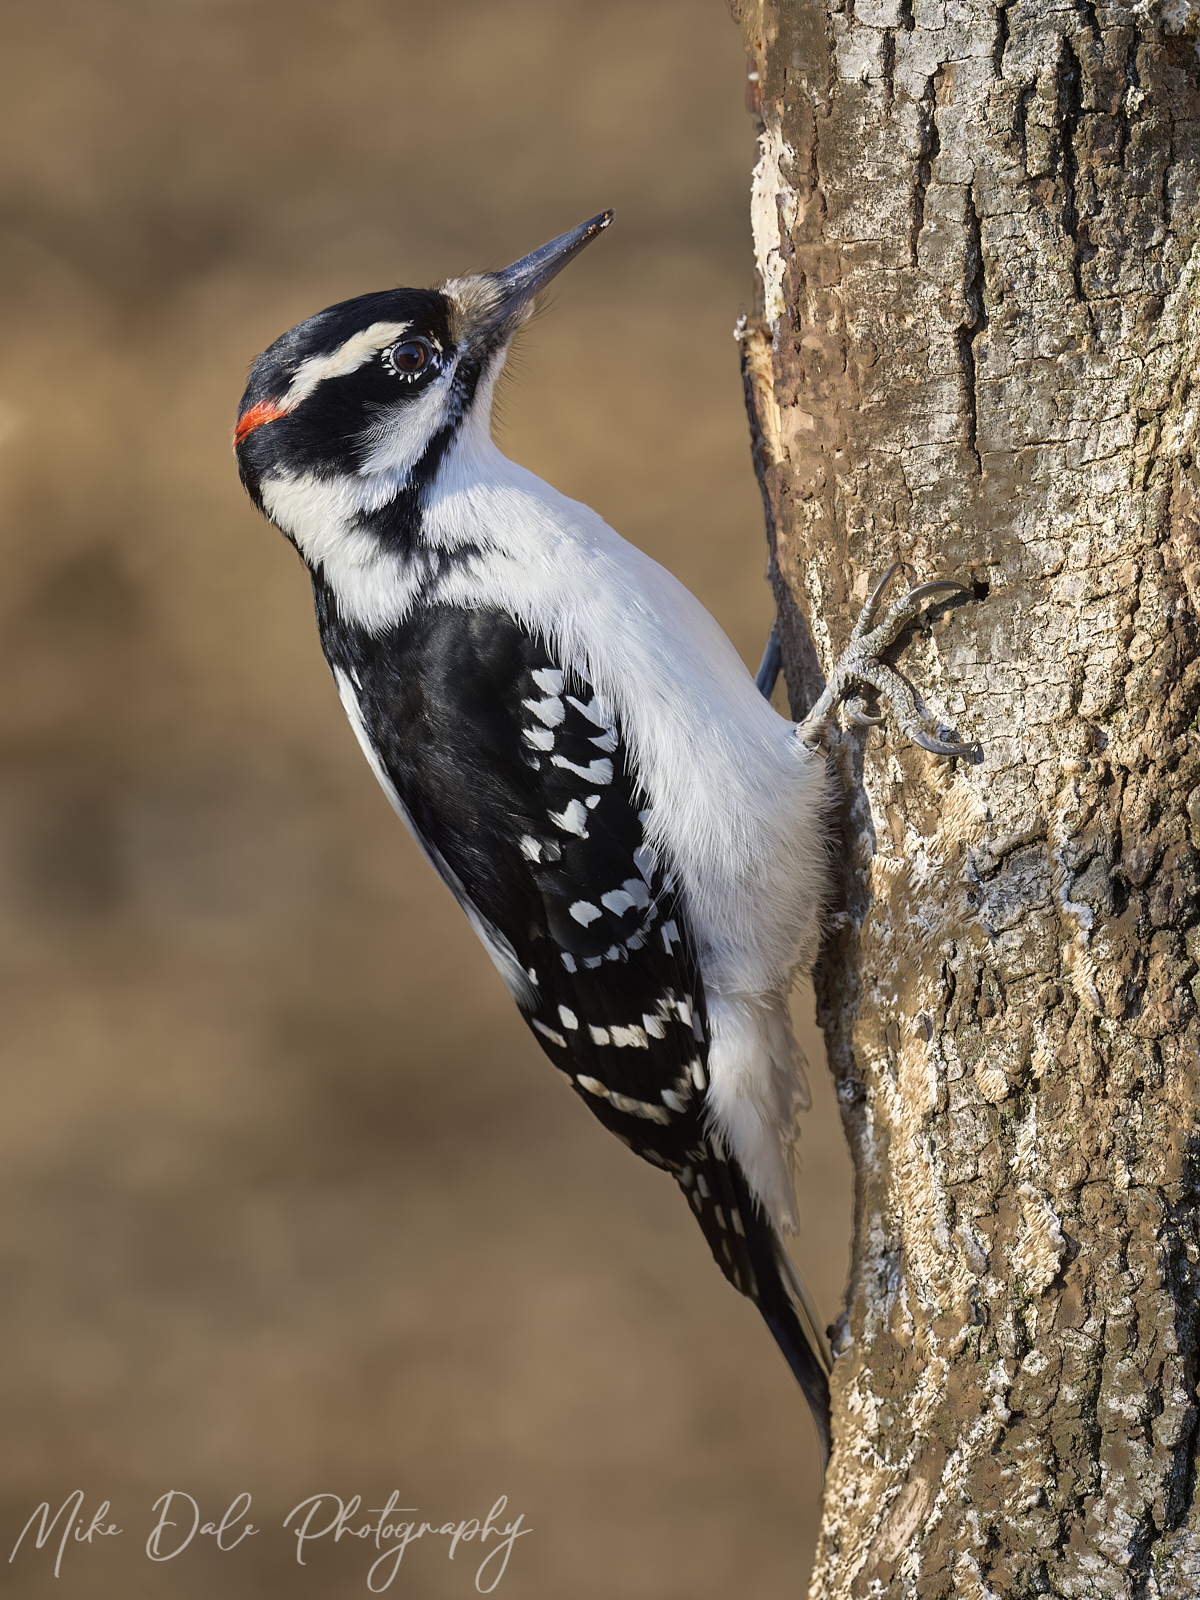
x=942, y=747
x=866, y=616
x=936, y=586
x=876, y=594
x=860, y=719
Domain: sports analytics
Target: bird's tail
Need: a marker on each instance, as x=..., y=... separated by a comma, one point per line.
x=808, y=1368
x=749, y=1251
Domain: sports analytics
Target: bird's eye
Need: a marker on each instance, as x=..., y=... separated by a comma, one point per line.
x=408, y=359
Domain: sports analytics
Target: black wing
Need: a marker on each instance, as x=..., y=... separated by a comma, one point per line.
x=518, y=784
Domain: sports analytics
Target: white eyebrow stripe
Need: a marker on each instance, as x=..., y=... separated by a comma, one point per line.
x=347, y=358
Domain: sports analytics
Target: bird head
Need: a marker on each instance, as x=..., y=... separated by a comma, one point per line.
x=369, y=393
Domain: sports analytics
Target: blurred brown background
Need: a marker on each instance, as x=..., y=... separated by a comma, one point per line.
x=291, y=1202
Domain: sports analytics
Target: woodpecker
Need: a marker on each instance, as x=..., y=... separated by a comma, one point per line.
x=635, y=836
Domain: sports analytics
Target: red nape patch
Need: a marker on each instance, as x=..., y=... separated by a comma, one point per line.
x=264, y=411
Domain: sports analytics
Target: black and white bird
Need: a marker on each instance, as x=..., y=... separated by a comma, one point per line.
x=635, y=835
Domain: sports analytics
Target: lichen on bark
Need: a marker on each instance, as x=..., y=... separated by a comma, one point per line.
x=976, y=348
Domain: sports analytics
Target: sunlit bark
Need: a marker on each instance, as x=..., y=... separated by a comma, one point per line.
x=977, y=348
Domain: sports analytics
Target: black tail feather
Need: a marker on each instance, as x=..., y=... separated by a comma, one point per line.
x=806, y=1369
x=749, y=1251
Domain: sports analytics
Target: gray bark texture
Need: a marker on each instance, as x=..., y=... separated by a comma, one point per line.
x=977, y=349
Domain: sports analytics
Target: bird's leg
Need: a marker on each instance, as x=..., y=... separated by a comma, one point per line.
x=861, y=667
x=772, y=662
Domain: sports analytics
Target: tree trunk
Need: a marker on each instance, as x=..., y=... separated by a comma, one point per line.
x=977, y=348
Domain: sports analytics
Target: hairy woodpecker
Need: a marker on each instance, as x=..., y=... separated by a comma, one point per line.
x=635, y=835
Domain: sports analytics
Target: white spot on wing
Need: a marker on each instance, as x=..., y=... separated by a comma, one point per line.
x=639, y=1108
x=630, y=1037
x=598, y=771
x=548, y=679
x=584, y=911
x=572, y=820
x=551, y=711
x=618, y=902
x=568, y=1018
x=549, y=1033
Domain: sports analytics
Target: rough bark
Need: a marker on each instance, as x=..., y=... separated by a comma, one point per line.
x=977, y=348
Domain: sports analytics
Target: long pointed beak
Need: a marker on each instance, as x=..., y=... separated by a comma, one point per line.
x=519, y=283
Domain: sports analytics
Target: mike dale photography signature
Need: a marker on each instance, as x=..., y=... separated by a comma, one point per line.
x=176, y=1524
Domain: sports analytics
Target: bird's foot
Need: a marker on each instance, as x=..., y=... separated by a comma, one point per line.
x=861, y=668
